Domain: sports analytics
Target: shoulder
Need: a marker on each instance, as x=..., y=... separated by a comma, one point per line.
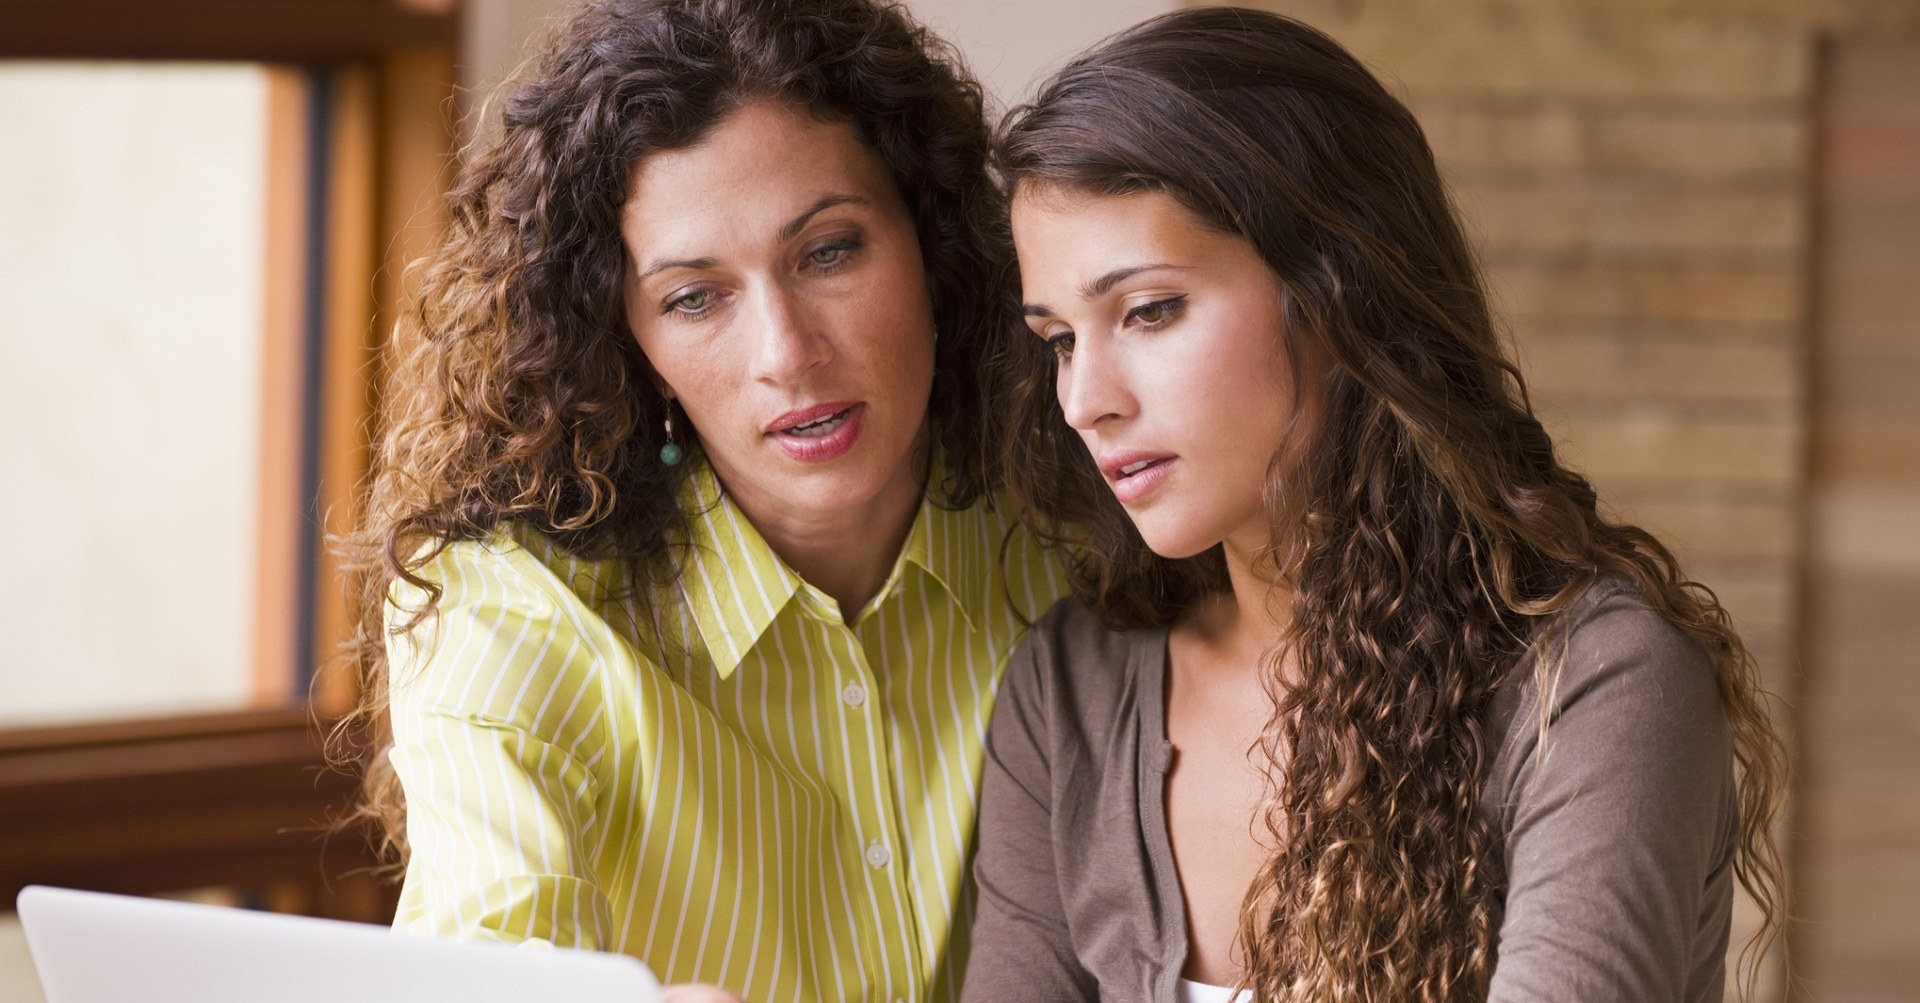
x=514, y=564
x=1076, y=664
x=1615, y=650
x=1072, y=635
x=1620, y=821
x=511, y=605
x=1070, y=702
x=1621, y=691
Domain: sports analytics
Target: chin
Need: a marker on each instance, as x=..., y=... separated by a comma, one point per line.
x=840, y=484
x=853, y=479
x=1171, y=537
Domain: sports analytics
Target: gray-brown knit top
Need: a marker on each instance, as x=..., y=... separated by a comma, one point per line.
x=1617, y=845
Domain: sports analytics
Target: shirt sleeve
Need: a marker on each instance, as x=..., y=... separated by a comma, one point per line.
x=497, y=718
x=1620, y=822
x=1021, y=948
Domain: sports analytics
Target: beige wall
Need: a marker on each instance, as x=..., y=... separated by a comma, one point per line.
x=1009, y=44
x=1012, y=45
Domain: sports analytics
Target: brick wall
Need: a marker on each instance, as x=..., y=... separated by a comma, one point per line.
x=1859, y=860
x=1638, y=192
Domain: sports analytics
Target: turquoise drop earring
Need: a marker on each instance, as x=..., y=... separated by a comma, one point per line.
x=670, y=453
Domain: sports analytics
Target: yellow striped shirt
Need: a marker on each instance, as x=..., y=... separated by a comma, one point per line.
x=722, y=778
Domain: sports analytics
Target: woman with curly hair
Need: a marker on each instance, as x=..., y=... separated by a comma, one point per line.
x=1360, y=696
x=686, y=598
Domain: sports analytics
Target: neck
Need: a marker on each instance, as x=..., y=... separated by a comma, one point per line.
x=847, y=552
x=1250, y=615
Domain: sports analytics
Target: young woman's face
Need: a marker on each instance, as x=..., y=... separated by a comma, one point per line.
x=1171, y=356
x=777, y=290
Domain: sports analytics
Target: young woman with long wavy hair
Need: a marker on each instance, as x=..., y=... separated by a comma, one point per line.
x=685, y=592
x=1361, y=696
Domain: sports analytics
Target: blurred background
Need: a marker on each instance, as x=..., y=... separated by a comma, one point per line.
x=1701, y=219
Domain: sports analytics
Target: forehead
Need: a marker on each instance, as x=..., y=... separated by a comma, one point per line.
x=1061, y=234
x=752, y=172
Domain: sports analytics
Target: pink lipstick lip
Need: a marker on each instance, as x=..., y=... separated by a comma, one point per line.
x=1130, y=488
x=801, y=416
x=831, y=446
x=1112, y=465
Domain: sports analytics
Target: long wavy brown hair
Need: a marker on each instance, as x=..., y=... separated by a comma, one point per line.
x=518, y=394
x=1423, y=526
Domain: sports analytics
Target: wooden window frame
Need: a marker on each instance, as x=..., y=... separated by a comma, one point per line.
x=242, y=798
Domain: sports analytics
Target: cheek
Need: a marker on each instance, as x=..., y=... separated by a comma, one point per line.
x=704, y=372
x=887, y=324
x=1238, y=392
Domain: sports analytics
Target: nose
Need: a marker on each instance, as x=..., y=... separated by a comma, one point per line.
x=790, y=344
x=1092, y=388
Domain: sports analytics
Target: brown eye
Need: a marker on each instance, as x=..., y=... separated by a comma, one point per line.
x=1157, y=313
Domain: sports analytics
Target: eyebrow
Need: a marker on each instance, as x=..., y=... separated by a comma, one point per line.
x=820, y=205
x=788, y=231
x=661, y=266
x=1103, y=284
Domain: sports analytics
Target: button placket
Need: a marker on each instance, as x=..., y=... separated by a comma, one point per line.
x=880, y=832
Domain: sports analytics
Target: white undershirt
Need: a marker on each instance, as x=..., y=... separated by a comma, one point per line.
x=1200, y=992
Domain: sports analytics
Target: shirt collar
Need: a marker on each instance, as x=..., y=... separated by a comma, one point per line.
x=735, y=585
x=956, y=548
x=732, y=581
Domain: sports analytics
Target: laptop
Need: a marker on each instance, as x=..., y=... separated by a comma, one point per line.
x=94, y=948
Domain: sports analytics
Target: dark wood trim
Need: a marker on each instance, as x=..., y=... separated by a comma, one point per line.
x=298, y=31
x=92, y=735
x=393, y=149
x=139, y=807
x=342, y=394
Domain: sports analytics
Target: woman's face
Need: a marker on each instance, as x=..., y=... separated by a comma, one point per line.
x=776, y=288
x=1171, y=357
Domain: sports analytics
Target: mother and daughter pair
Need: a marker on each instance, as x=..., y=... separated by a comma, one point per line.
x=753, y=593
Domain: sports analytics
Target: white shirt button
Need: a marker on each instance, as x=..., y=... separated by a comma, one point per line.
x=854, y=695
x=877, y=855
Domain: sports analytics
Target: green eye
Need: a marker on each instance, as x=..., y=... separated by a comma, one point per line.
x=692, y=303
x=833, y=255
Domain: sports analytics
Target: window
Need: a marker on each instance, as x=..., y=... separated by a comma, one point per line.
x=207, y=209
x=133, y=269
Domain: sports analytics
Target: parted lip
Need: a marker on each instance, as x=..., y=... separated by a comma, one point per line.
x=812, y=412
x=1112, y=463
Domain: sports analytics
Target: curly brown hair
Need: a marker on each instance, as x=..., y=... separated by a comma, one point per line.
x=519, y=394
x=1423, y=524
